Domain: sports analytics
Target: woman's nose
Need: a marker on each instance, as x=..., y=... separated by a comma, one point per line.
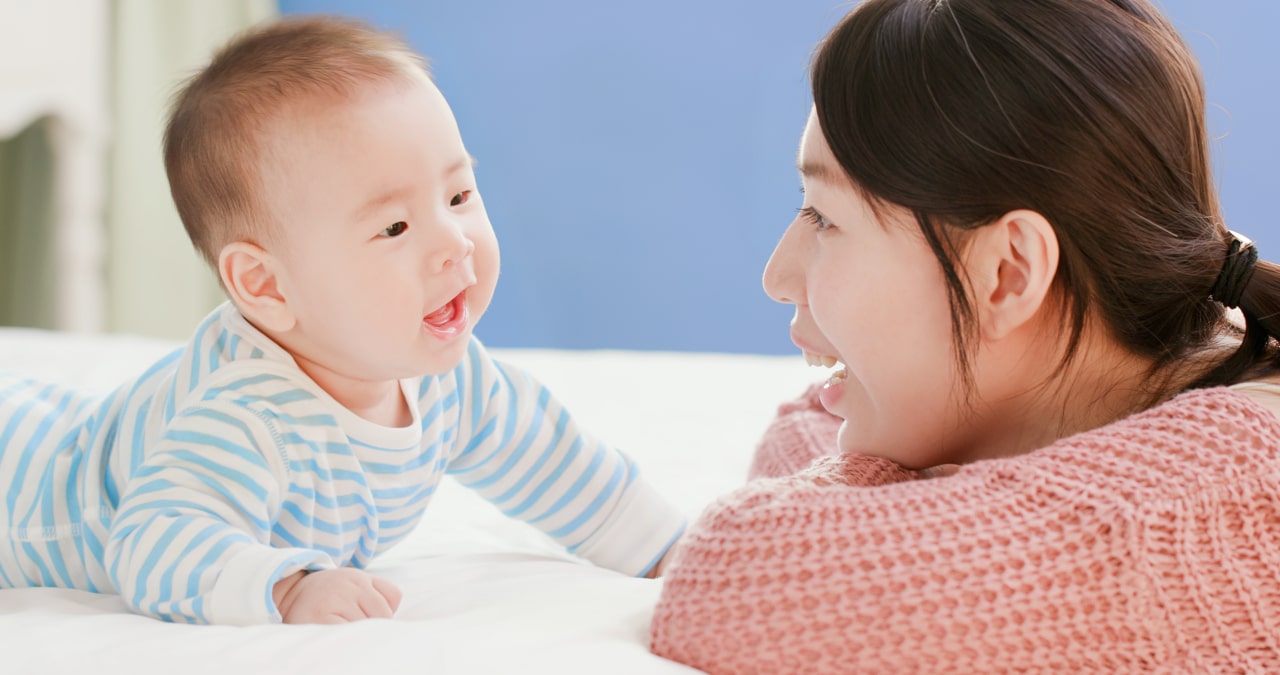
x=782, y=278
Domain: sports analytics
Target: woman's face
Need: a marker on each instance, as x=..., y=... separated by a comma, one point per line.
x=869, y=294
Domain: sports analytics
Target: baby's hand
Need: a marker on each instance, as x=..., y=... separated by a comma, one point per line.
x=335, y=596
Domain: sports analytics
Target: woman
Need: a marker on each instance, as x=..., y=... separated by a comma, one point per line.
x=1011, y=246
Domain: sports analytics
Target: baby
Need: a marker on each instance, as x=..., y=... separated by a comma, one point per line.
x=252, y=475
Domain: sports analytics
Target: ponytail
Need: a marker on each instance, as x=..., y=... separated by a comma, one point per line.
x=1253, y=286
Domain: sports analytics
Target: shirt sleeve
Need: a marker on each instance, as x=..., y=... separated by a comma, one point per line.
x=191, y=538
x=520, y=449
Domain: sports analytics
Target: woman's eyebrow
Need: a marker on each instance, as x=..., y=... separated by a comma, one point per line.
x=818, y=172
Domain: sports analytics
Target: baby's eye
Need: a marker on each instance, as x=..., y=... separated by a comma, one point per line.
x=460, y=198
x=396, y=229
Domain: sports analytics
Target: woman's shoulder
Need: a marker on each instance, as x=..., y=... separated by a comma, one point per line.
x=1163, y=453
x=1221, y=432
x=1264, y=391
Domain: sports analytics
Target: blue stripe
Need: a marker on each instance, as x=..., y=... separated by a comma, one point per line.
x=219, y=349
x=324, y=473
x=46, y=579
x=547, y=483
x=328, y=501
x=438, y=408
x=197, y=348
x=17, y=555
x=532, y=471
x=412, y=446
x=206, y=442
x=138, y=448
x=609, y=491
x=477, y=390
x=169, y=400
x=402, y=522
x=42, y=429
x=226, y=420
x=73, y=505
x=316, y=420
x=245, y=382
x=309, y=521
x=212, y=553
x=385, y=468
x=111, y=491
x=95, y=547
x=415, y=490
x=575, y=489
x=157, y=552
x=287, y=397
x=175, y=507
x=292, y=541
x=330, y=448
x=8, y=582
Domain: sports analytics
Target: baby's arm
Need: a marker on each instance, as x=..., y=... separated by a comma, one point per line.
x=190, y=541
x=521, y=450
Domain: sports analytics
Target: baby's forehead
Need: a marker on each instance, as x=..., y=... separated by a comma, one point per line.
x=347, y=143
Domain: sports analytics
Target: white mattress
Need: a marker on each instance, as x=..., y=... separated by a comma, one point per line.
x=483, y=594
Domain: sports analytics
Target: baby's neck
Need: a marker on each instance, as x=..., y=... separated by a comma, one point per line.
x=379, y=402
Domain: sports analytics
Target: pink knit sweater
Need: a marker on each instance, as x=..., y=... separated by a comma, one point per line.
x=1149, y=544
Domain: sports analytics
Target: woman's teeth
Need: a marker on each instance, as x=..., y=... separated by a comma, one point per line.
x=820, y=360
x=838, y=375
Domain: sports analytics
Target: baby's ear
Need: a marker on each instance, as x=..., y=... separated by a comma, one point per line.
x=250, y=275
x=1015, y=260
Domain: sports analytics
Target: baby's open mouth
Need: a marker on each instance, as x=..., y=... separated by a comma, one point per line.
x=449, y=320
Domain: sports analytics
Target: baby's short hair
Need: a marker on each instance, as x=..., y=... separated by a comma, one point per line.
x=212, y=143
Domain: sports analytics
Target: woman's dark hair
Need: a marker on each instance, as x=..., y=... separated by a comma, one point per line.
x=1089, y=112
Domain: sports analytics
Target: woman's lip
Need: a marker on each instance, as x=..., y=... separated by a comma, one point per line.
x=831, y=393
x=805, y=346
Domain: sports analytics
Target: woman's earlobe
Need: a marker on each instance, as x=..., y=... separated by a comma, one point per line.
x=249, y=275
x=1021, y=250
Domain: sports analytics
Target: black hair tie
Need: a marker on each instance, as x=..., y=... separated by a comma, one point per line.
x=1237, y=269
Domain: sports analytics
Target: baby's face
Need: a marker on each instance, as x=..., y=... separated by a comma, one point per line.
x=388, y=256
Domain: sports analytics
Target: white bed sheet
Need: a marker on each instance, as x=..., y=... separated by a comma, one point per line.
x=483, y=594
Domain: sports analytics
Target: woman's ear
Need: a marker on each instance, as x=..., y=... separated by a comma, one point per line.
x=251, y=276
x=1016, y=259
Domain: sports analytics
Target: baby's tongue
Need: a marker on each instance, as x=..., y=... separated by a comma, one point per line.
x=442, y=315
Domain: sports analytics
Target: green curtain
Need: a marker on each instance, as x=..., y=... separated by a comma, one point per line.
x=27, y=276
x=156, y=284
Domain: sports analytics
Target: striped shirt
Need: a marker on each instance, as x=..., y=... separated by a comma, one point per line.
x=192, y=489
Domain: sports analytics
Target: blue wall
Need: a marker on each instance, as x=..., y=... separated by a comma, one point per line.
x=637, y=159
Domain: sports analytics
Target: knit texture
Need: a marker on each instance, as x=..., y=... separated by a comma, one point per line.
x=1149, y=544
x=801, y=432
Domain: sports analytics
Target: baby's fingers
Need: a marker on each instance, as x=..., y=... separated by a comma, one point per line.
x=389, y=591
x=375, y=606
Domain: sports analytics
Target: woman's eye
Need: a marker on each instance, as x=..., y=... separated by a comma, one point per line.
x=396, y=229
x=818, y=220
x=460, y=198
